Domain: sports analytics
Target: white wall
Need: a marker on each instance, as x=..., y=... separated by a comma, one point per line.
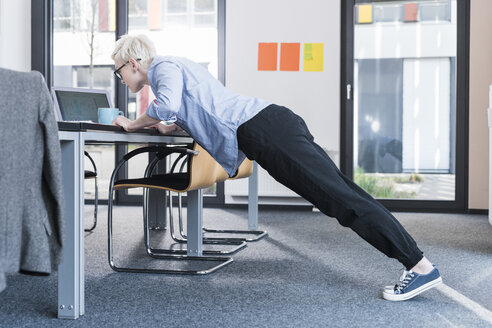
x=312, y=95
x=480, y=79
x=15, y=34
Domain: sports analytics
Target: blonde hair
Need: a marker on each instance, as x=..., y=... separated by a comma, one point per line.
x=134, y=46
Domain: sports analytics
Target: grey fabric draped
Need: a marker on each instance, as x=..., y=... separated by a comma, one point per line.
x=31, y=195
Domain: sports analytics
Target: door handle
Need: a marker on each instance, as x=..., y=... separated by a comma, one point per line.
x=349, y=90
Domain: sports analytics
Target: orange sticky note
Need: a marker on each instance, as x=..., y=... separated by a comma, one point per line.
x=289, y=56
x=267, y=56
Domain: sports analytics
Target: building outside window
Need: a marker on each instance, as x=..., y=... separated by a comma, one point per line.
x=185, y=28
x=83, y=39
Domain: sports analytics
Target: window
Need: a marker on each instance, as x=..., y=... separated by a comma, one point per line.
x=181, y=36
x=204, y=12
x=138, y=13
x=94, y=78
x=175, y=12
x=405, y=111
x=83, y=39
x=190, y=13
x=78, y=15
x=369, y=12
x=435, y=11
x=403, y=116
x=388, y=12
x=62, y=16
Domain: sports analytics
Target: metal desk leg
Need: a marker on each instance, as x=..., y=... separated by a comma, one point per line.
x=253, y=199
x=157, y=209
x=158, y=202
x=194, y=222
x=80, y=222
x=71, y=269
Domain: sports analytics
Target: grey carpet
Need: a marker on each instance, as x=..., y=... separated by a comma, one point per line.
x=310, y=272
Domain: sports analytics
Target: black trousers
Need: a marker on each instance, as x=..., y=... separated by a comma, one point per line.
x=280, y=142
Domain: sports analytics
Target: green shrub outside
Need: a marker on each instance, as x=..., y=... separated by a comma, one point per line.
x=384, y=187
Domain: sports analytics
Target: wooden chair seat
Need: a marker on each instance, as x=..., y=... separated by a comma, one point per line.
x=171, y=181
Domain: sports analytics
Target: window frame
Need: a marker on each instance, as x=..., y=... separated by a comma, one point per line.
x=460, y=203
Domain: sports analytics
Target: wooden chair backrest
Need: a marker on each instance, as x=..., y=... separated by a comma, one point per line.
x=205, y=171
x=221, y=174
x=202, y=169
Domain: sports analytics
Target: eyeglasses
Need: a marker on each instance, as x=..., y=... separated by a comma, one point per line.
x=117, y=71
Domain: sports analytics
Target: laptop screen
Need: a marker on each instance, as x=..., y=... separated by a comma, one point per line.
x=79, y=104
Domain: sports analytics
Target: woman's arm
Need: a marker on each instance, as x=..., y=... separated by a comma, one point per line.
x=142, y=122
x=167, y=81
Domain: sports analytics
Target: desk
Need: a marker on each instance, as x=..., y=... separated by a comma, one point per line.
x=73, y=137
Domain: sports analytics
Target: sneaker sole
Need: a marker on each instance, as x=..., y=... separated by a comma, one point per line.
x=413, y=293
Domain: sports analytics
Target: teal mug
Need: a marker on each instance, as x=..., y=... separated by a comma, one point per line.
x=107, y=115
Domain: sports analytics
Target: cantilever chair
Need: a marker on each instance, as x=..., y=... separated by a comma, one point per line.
x=240, y=243
x=201, y=174
x=88, y=174
x=245, y=170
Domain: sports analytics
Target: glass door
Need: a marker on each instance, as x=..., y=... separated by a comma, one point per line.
x=401, y=107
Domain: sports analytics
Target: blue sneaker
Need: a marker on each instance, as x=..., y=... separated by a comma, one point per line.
x=411, y=284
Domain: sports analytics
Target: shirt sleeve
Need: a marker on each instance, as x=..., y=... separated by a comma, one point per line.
x=168, y=82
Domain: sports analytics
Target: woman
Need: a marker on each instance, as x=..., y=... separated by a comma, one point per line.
x=230, y=126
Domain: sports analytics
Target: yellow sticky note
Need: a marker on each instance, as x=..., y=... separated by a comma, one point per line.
x=313, y=57
x=365, y=14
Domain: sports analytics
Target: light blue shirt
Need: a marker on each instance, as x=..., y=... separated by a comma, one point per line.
x=189, y=95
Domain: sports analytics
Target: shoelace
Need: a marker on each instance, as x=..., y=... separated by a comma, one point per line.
x=404, y=280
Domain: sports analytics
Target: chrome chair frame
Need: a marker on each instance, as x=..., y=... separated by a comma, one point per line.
x=90, y=175
x=239, y=243
x=161, y=153
x=259, y=234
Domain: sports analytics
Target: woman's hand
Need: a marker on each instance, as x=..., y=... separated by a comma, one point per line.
x=123, y=122
x=142, y=121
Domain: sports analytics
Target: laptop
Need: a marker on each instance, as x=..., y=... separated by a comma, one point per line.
x=78, y=104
